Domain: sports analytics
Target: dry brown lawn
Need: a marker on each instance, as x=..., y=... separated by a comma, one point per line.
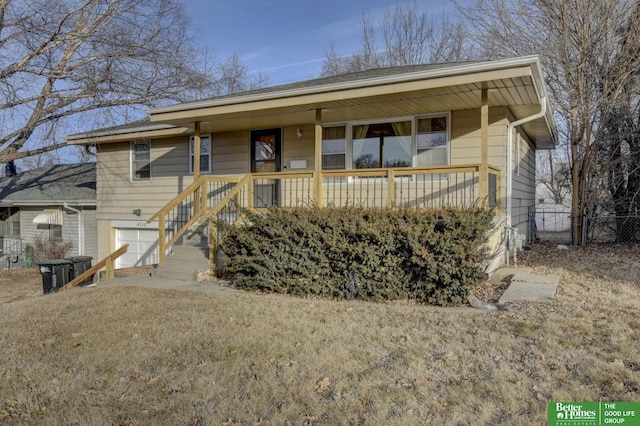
x=135, y=356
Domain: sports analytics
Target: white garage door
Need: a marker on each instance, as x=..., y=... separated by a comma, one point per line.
x=143, y=247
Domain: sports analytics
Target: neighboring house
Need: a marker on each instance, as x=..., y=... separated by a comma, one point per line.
x=54, y=202
x=419, y=136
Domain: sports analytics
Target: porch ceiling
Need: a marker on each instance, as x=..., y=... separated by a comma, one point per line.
x=517, y=93
x=510, y=92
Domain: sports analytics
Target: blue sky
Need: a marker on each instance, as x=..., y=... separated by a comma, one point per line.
x=286, y=38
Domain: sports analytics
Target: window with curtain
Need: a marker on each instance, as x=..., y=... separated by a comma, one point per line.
x=205, y=153
x=334, y=147
x=433, y=141
x=140, y=161
x=382, y=145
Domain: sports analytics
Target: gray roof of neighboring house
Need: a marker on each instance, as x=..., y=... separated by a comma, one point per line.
x=51, y=185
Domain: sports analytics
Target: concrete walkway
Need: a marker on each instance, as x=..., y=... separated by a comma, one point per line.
x=524, y=285
x=169, y=284
x=527, y=286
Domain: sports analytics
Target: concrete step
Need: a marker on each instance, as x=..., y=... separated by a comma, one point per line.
x=187, y=252
x=185, y=263
x=526, y=286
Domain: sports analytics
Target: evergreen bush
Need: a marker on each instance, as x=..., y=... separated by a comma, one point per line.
x=433, y=256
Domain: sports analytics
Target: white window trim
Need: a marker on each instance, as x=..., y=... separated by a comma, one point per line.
x=415, y=135
x=191, y=153
x=346, y=142
x=131, y=161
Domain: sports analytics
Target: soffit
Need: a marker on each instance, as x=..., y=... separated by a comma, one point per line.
x=516, y=93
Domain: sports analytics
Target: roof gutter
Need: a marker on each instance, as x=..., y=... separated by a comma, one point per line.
x=48, y=203
x=80, y=227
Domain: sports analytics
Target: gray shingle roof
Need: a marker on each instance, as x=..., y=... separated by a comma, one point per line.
x=51, y=184
x=342, y=78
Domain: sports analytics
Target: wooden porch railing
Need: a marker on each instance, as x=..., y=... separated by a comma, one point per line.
x=223, y=199
x=175, y=218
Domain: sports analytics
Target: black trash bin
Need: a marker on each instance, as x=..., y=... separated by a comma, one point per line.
x=55, y=274
x=81, y=264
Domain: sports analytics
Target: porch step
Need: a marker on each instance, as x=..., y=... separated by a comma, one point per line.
x=185, y=263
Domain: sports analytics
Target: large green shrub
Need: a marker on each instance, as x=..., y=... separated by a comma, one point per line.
x=433, y=256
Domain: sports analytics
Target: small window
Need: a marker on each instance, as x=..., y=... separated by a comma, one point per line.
x=433, y=142
x=55, y=232
x=10, y=222
x=15, y=228
x=140, y=161
x=205, y=153
x=333, y=148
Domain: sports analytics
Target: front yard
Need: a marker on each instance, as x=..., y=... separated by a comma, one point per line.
x=112, y=355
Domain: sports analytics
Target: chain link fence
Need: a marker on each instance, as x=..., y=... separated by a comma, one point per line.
x=556, y=226
x=613, y=229
x=550, y=225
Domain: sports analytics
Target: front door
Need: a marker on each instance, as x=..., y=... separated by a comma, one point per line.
x=266, y=158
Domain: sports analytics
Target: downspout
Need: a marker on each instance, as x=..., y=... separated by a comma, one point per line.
x=80, y=227
x=510, y=127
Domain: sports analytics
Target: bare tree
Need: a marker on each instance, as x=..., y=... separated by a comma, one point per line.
x=232, y=77
x=589, y=49
x=66, y=62
x=410, y=36
x=554, y=175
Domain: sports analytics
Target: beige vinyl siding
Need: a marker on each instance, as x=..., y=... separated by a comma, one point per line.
x=231, y=153
x=298, y=149
x=465, y=137
x=118, y=196
x=466, y=142
x=523, y=181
